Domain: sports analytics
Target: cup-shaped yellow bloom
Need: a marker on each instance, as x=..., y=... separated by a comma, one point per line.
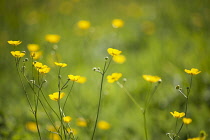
x=36, y=55
x=52, y=38
x=44, y=69
x=74, y=78
x=81, y=122
x=187, y=120
x=119, y=59
x=83, y=24
x=37, y=65
x=151, y=78
x=177, y=114
x=55, y=96
x=117, y=23
x=31, y=126
x=33, y=47
x=67, y=119
x=114, y=77
x=193, y=71
x=81, y=80
x=17, y=54
x=15, y=43
x=103, y=125
x=60, y=64
x=113, y=52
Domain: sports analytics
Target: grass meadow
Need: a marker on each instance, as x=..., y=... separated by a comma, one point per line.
x=159, y=39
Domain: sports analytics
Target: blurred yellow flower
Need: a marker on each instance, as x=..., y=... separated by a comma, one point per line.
x=72, y=130
x=33, y=47
x=83, y=24
x=151, y=78
x=54, y=136
x=197, y=138
x=117, y=23
x=119, y=59
x=31, y=126
x=177, y=114
x=17, y=54
x=193, y=71
x=55, y=96
x=44, y=69
x=67, y=119
x=52, y=38
x=74, y=78
x=15, y=43
x=103, y=125
x=114, y=77
x=36, y=55
x=113, y=52
x=187, y=120
x=60, y=64
x=37, y=65
x=81, y=80
x=81, y=122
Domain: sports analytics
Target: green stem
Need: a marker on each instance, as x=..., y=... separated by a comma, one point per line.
x=145, y=124
x=100, y=95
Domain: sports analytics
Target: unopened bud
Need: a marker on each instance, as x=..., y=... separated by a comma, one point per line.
x=177, y=87
x=106, y=58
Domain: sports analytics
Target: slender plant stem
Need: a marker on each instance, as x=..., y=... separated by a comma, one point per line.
x=145, y=125
x=100, y=96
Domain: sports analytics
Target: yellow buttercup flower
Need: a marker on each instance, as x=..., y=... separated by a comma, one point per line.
x=103, y=125
x=31, y=126
x=60, y=64
x=81, y=122
x=67, y=119
x=193, y=71
x=74, y=78
x=33, y=47
x=15, y=43
x=113, y=52
x=187, y=120
x=151, y=78
x=177, y=114
x=117, y=23
x=114, y=77
x=54, y=136
x=17, y=54
x=37, y=64
x=81, y=80
x=52, y=38
x=119, y=59
x=55, y=96
x=44, y=69
x=36, y=55
x=72, y=130
x=83, y=24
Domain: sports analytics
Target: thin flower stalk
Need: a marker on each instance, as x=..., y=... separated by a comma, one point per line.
x=105, y=68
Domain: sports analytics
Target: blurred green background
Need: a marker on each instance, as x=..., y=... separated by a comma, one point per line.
x=158, y=37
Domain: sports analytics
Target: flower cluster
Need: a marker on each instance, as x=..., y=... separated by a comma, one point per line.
x=41, y=68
